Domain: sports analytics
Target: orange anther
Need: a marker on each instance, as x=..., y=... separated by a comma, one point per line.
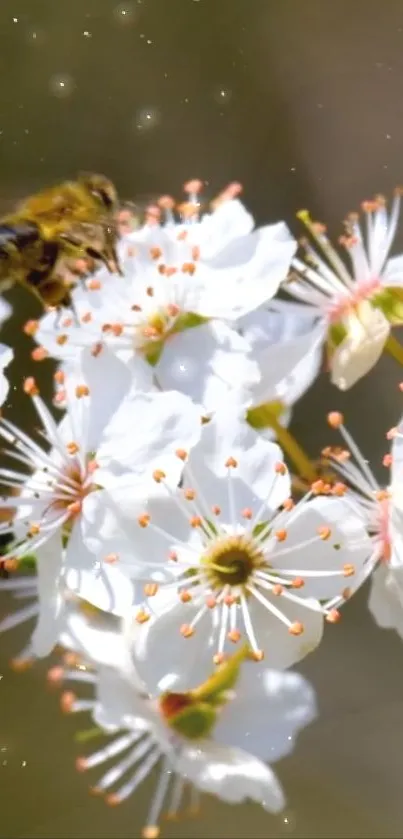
x=288, y=504
x=30, y=387
x=335, y=419
x=39, y=354
x=280, y=468
x=185, y=596
x=34, y=530
x=333, y=616
x=218, y=658
x=189, y=494
x=348, y=570
x=229, y=599
x=297, y=582
x=318, y=487
x=62, y=339
x=82, y=390
x=216, y=510
x=392, y=433
x=194, y=185
x=173, y=556
x=144, y=519
x=173, y=310
x=55, y=675
x=296, y=628
x=387, y=460
x=86, y=317
x=166, y=202
x=195, y=253
x=73, y=447
x=211, y=601
x=142, y=617
x=111, y=558
x=257, y=655
x=277, y=589
x=188, y=268
x=94, y=285
x=159, y=475
x=182, y=454
x=155, y=253
x=31, y=327
x=11, y=564
x=247, y=513
x=59, y=377
x=195, y=521
x=67, y=701
x=338, y=489
x=81, y=764
x=74, y=508
x=150, y=589
x=281, y=535
x=324, y=532
x=231, y=463
x=234, y=636
x=186, y=630
x=96, y=349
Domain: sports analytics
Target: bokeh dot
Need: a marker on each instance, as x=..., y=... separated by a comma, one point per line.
x=61, y=85
x=147, y=118
x=125, y=13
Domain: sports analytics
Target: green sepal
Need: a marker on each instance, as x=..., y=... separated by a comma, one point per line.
x=337, y=332
x=224, y=679
x=187, y=320
x=390, y=302
x=263, y=415
x=195, y=722
x=153, y=352
x=28, y=562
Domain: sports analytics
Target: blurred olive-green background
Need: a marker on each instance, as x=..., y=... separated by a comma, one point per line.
x=303, y=103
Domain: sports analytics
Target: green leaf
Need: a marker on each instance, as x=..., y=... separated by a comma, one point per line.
x=390, y=302
x=28, y=561
x=263, y=415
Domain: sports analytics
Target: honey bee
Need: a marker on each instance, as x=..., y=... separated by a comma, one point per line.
x=50, y=232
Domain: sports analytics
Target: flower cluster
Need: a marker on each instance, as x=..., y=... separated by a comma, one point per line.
x=163, y=525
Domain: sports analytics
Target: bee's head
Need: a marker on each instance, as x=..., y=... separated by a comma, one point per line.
x=101, y=189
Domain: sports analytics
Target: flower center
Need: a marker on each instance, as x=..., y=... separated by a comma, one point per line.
x=231, y=561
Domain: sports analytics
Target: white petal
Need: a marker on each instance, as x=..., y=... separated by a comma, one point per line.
x=289, y=368
x=5, y=310
x=231, y=774
x=106, y=588
x=348, y=544
x=49, y=566
x=111, y=526
x=392, y=275
x=270, y=707
x=386, y=598
x=282, y=649
x=144, y=434
x=247, y=273
x=215, y=230
x=97, y=638
x=185, y=662
x=119, y=699
x=361, y=348
x=207, y=362
x=255, y=476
